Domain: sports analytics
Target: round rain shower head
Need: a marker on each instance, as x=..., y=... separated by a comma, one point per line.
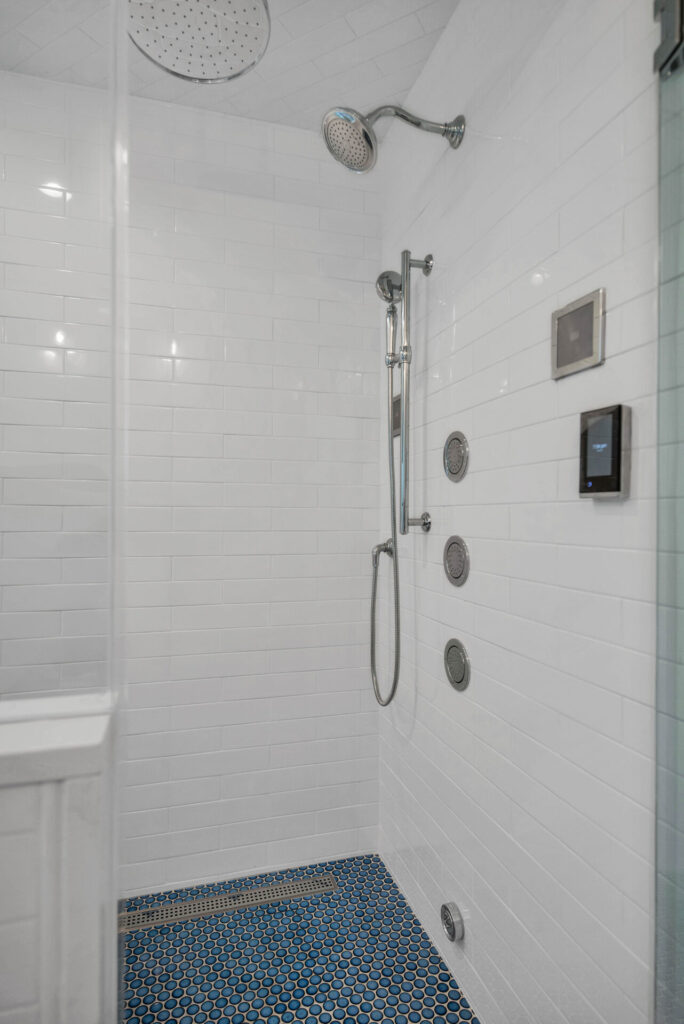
x=203, y=41
x=350, y=139
x=388, y=286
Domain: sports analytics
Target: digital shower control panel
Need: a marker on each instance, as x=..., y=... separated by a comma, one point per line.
x=605, y=440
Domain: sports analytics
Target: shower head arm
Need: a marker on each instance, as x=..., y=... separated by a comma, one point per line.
x=453, y=131
x=390, y=110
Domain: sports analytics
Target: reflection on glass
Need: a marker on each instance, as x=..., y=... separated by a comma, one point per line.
x=55, y=191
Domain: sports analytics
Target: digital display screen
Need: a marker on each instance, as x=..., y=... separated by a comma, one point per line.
x=600, y=446
x=604, y=441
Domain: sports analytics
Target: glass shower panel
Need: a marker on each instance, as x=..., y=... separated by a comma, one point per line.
x=55, y=349
x=670, y=676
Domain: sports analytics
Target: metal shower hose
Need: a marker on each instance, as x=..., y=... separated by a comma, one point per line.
x=389, y=548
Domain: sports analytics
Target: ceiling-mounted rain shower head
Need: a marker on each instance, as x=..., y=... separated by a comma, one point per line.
x=203, y=41
x=388, y=286
x=351, y=140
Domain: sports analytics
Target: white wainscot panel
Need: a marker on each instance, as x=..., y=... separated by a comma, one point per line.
x=56, y=938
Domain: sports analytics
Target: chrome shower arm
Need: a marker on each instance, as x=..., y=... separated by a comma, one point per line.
x=452, y=130
x=391, y=110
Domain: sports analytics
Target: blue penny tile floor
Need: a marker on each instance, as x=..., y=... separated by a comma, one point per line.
x=357, y=955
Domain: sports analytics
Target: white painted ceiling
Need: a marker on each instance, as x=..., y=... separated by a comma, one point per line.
x=322, y=53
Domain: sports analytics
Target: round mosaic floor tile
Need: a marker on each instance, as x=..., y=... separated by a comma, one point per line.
x=357, y=955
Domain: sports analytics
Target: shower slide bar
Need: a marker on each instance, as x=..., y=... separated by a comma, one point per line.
x=393, y=288
x=405, y=355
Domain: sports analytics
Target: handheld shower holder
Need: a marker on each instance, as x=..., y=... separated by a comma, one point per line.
x=386, y=548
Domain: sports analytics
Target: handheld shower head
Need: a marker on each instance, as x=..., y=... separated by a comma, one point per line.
x=350, y=138
x=388, y=286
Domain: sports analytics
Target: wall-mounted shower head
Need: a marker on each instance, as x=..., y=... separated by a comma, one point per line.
x=388, y=286
x=351, y=140
x=200, y=41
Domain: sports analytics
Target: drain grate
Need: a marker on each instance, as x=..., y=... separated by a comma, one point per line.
x=225, y=903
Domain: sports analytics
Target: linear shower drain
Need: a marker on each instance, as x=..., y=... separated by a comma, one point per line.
x=225, y=903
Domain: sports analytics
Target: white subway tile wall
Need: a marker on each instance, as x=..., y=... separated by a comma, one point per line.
x=54, y=386
x=251, y=739
x=528, y=798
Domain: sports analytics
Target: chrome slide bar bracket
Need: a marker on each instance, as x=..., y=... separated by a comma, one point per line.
x=424, y=521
